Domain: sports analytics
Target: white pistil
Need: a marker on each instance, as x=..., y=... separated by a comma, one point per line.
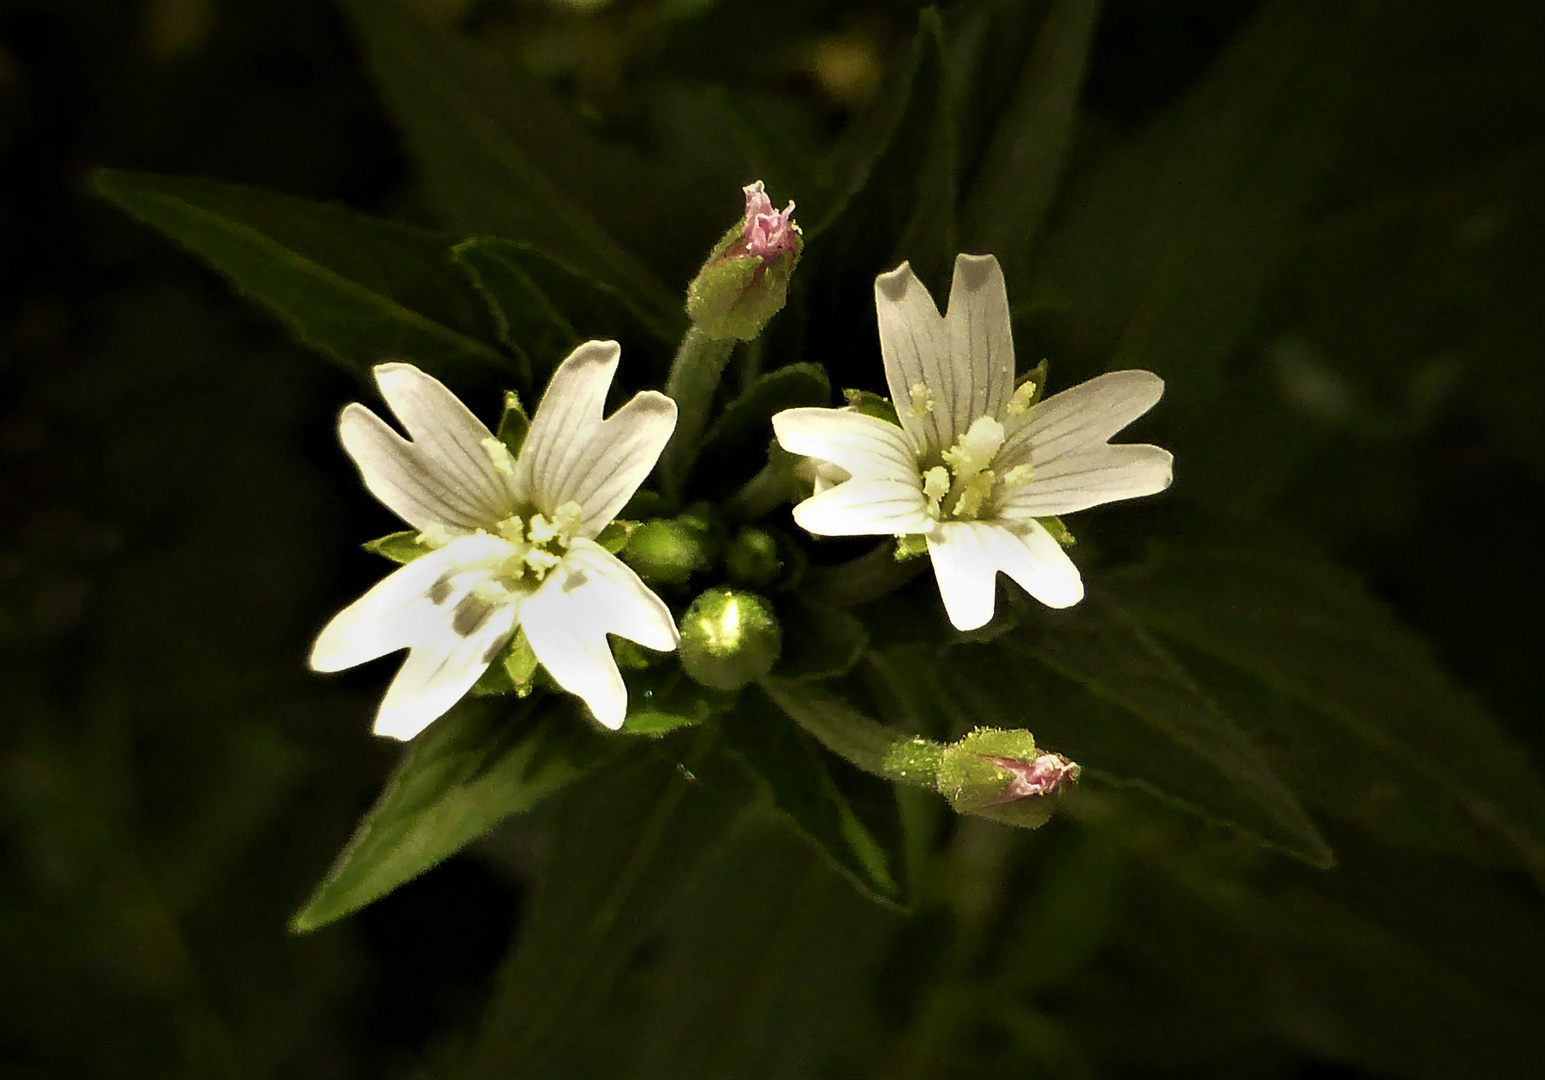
x=936, y=485
x=973, y=494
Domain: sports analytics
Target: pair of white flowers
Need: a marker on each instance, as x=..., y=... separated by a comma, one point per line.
x=971, y=467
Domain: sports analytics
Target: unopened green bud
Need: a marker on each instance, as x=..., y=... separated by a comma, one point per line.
x=667, y=551
x=729, y=638
x=1000, y=774
x=745, y=281
x=753, y=558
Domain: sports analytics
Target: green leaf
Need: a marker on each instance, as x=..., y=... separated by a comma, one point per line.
x=928, y=239
x=819, y=642
x=1168, y=248
x=501, y=157
x=849, y=815
x=543, y=308
x=358, y=289
x=476, y=765
x=1358, y=714
x=620, y=845
x=737, y=440
x=1091, y=684
x=1012, y=187
x=400, y=547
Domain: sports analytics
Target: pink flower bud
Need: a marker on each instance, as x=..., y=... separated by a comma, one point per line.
x=766, y=233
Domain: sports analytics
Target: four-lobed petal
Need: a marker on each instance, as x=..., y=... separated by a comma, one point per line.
x=974, y=470
x=457, y=607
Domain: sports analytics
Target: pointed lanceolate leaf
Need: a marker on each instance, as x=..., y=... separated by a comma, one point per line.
x=481, y=762
x=1358, y=715
x=1013, y=186
x=359, y=289
x=501, y=157
x=849, y=815
x=543, y=308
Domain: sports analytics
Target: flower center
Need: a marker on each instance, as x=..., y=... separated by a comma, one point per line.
x=966, y=487
x=538, y=543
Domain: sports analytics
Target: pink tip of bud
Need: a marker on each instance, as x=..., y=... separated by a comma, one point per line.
x=1043, y=776
x=767, y=232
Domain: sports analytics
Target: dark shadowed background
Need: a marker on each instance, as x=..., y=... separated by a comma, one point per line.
x=1360, y=300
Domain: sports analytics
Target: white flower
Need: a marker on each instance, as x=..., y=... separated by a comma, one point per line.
x=973, y=464
x=513, y=540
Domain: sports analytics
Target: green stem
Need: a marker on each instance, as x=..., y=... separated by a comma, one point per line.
x=694, y=378
x=848, y=733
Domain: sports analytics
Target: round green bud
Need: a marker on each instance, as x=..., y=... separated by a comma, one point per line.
x=753, y=558
x=729, y=638
x=666, y=552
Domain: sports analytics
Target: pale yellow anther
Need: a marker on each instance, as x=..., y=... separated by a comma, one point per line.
x=936, y=482
x=541, y=531
x=500, y=455
x=434, y=535
x=1019, y=404
x=1019, y=474
x=541, y=561
x=512, y=529
x=922, y=400
x=973, y=494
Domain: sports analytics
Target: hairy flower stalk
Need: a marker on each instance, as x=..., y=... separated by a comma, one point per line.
x=973, y=467
x=511, y=540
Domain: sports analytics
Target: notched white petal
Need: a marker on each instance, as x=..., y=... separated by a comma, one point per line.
x=915, y=347
x=618, y=457
x=866, y=508
x=395, y=472
x=1092, y=477
x=863, y=446
x=440, y=670
x=967, y=557
x=449, y=439
x=981, y=341
x=1083, y=416
x=566, y=419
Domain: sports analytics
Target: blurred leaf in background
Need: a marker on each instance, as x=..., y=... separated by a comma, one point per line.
x=1310, y=836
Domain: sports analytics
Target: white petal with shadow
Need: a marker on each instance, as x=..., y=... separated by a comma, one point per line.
x=441, y=669
x=1091, y=477
x=981, y=342
x=1082, y=416
x=915, y=346
x=398, y=474
x=866, y=508
x=448, y=437
x=865, y=446
x=968, y=555
x=567, y=418
x=414, y=603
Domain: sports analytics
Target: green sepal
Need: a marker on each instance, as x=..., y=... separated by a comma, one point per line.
x=1036, y=379
x=910, y=546
x=513, y=424
x=514, y=672
x=400, y=547
x=734, y=295
x=663, y=700
x=871, y=404
x=1059, y=531
x=616, y=535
